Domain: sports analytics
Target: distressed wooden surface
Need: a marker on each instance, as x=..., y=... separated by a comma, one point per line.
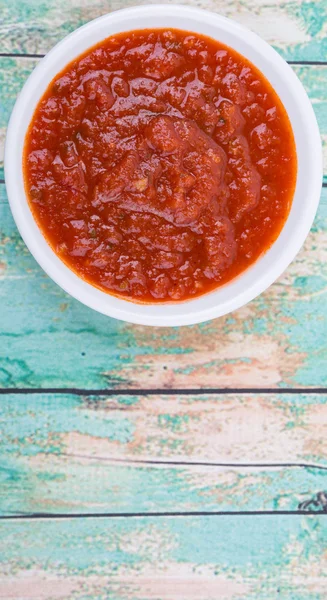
x=131, y=453
x=50, y=340
x=73, y=454
x=230, y=558
x=296, y=28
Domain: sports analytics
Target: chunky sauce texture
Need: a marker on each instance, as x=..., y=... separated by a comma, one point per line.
x=159, y=165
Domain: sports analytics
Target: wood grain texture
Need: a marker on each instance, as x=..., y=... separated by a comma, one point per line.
x=68, y=454
x=296, y=28
x=47, y=339
x=139, y=454
x=230, y=558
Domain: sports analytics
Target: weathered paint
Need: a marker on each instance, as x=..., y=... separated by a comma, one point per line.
x=47, y=339
x=67, y=454
x=71, y=454
x=296, y=28
x=230, y=558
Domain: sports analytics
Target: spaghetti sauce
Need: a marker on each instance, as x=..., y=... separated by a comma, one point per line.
x=159, y=165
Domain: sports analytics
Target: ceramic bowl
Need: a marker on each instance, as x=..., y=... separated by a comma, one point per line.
x=266, y=269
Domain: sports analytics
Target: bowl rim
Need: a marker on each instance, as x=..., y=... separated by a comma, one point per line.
x=198, y=309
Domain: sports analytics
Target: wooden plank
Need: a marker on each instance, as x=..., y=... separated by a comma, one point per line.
x=230, y=558
x=295, y=28
x=143, y=454
x=14, y=72
x=50, y=340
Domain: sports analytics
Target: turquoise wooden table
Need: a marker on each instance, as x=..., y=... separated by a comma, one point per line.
x=174, y=464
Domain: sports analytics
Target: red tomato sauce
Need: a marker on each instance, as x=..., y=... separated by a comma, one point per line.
x=159, y=165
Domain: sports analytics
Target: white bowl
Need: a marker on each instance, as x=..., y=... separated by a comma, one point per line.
x=266, y=269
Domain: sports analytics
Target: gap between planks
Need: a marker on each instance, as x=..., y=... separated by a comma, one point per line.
x=124, y=515
x=28, y=55
x=181, y=463
x=161, y=391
